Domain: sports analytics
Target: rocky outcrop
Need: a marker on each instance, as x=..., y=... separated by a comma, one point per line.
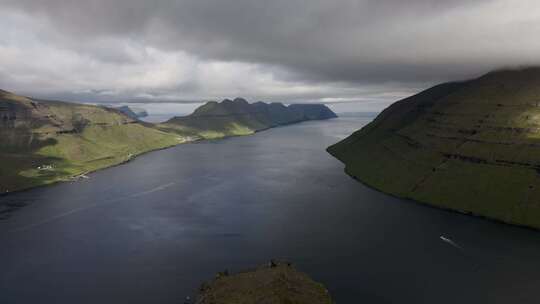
x=471, y=146
x=274, y=283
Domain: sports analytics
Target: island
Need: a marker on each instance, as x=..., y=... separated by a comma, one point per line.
x=471, y=146
x=45, y=141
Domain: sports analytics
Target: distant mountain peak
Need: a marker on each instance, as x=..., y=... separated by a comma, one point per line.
x=229, y=114
x=240, y=100
x=131, y=112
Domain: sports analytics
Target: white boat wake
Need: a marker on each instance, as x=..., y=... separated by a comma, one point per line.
x=450, y=242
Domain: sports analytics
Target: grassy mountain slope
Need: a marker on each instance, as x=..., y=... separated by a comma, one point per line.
x=48, y=141
x=470, y=146
x=238, y=117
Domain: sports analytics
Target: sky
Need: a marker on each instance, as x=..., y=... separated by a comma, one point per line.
x=352, y=54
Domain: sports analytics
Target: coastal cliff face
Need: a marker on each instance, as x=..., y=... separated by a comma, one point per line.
x=471, y=146
x=238, y=117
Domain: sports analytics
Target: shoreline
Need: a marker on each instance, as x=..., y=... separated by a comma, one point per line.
x=133, y=157
x=74, y=177
x=410, y=200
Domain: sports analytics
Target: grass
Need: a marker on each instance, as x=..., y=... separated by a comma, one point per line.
x=75, y=139
x=97, y=147
x=272, y=285
x=236, y=118
x=473, y=147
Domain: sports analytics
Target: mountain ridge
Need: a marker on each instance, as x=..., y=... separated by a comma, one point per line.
x=239, y=117
x=46, y=141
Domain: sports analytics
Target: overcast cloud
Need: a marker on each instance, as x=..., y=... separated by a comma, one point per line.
x=342, y=51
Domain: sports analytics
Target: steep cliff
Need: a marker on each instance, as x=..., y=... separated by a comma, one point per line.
x=471, y=146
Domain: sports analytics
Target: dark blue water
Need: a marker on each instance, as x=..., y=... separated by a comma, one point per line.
x=152, y=230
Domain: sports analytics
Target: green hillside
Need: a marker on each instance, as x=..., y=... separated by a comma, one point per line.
x=48, y=141
x=471, y=146
x=238, y=117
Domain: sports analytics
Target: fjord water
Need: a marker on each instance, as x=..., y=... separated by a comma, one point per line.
x=152, y=230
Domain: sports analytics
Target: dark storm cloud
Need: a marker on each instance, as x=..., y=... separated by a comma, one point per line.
x=326, y=40
x=309, y=42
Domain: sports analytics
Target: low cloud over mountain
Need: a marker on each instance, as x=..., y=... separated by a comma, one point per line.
x=342, y=51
